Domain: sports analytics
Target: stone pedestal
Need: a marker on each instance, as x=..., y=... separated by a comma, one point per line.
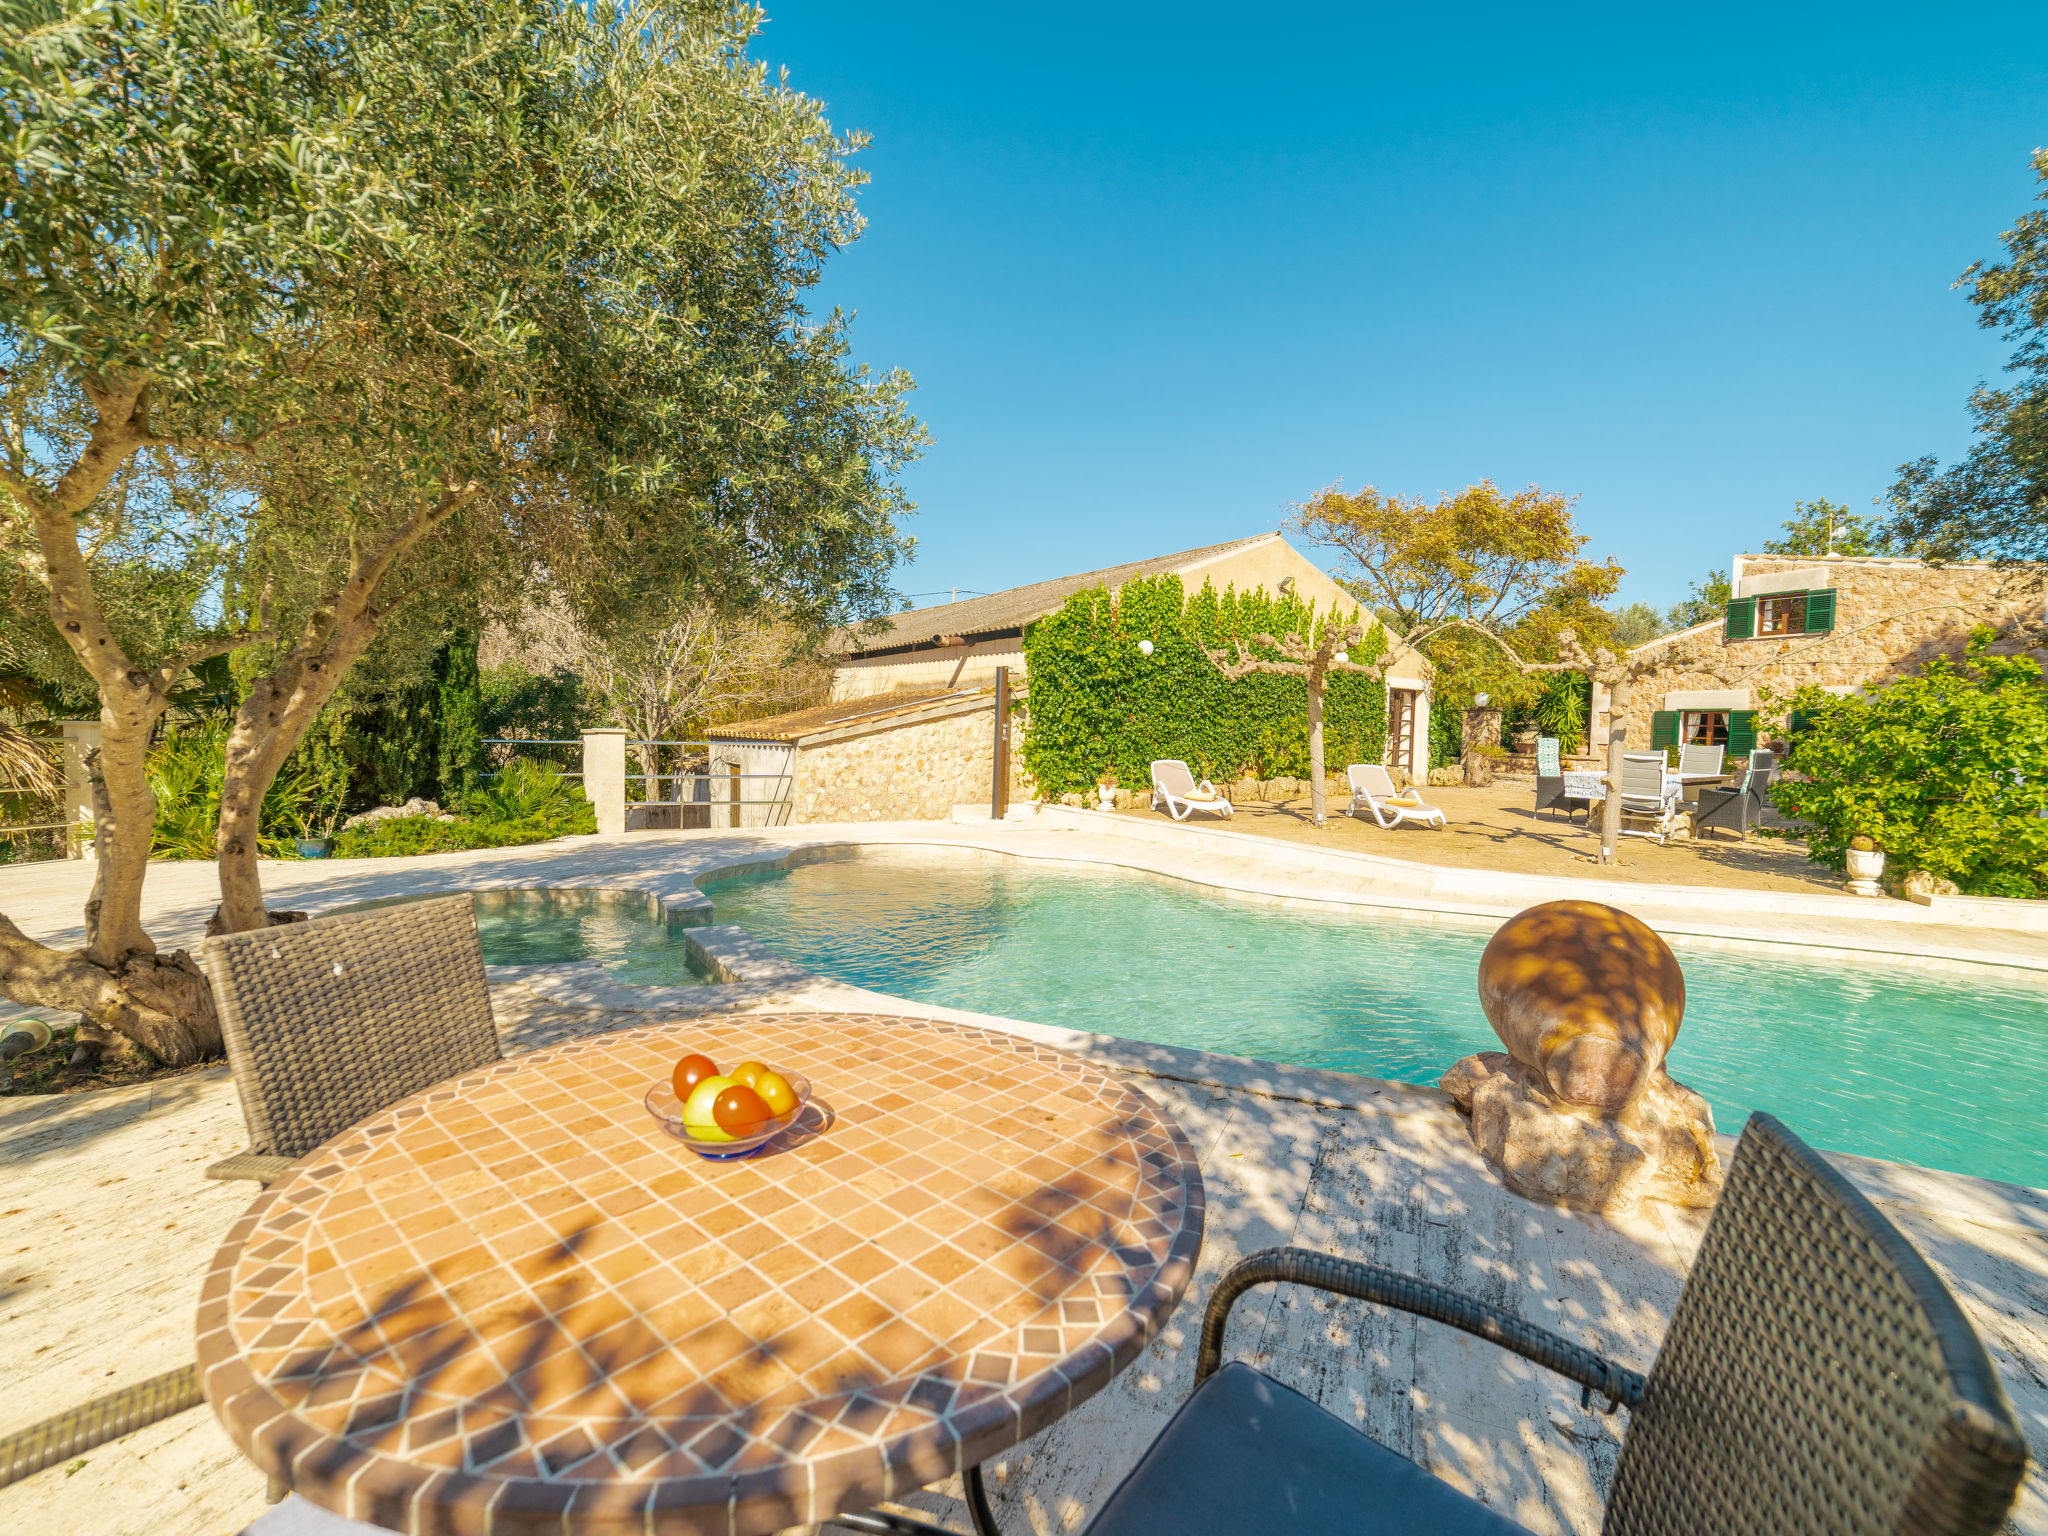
x=1579, y=1110
x=1481, y=729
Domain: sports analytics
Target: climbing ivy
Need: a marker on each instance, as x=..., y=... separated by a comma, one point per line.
x=1098, y=703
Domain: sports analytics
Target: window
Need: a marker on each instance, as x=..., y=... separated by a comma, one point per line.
x=1782, y=614
x=1703, y=728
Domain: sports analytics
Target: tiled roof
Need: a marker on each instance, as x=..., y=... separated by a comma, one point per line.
x=1018, y=606
x=799, y=723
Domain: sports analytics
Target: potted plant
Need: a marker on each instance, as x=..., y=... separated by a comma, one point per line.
x=1865, y=863
x=1105, y=792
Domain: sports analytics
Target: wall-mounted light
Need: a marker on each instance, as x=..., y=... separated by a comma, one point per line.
x=1479, y=700
x=1341, y=656
x=1144, y=647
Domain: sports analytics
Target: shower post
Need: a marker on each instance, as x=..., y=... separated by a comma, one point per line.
x=999, y=791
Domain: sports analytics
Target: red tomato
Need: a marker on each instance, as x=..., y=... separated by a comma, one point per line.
x=691, y=1071
x=740, y=1112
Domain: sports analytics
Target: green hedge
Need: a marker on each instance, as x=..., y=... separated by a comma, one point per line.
x=1098, y=703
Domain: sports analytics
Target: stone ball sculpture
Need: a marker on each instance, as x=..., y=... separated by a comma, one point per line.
x=1586, y=996
x=1579, y=1110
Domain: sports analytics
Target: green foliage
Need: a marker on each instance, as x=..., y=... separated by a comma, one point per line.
x=1635, y=625
x=549, y=706
x=1823, y=527
x=1561, y=710
x=458, y=716
x=1947, y=771
x=527, y=802
x=1097, y=704
x=186, y=768
x=1707, y=600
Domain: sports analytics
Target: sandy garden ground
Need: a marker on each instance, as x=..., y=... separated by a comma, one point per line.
x=1497, y=828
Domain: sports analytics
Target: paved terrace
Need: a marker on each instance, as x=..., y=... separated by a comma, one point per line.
x=107, y=1225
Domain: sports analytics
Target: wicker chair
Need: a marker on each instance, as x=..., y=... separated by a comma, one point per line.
x=330, y=1020
x=1817, y=1377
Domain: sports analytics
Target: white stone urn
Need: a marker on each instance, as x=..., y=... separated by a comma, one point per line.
x=1106, y=797
x=1864, y=866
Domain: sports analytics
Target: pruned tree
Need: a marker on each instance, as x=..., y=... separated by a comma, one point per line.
x=509, y=279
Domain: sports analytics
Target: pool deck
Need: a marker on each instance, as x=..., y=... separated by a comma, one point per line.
x=109, y=1225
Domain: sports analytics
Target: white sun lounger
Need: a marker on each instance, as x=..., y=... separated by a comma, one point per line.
x=1175, y=787
x=1373, y=791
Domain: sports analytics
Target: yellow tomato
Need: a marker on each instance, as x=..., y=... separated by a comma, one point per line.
x=697, y=1116
x=775, y=1093
x=746, y=1072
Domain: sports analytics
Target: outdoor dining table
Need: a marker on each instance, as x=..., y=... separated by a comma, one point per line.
x=513, y=1303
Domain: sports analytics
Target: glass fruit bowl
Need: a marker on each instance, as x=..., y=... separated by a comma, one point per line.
x=667, y=1110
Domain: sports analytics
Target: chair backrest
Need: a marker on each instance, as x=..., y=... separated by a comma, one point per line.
x=331, y=1020
x=1696, y=757
x=1371, y=779
x=1763, y=761
x=1171, y=775
x=1642, y=776
x=1817, y=1376
x=1549, y=764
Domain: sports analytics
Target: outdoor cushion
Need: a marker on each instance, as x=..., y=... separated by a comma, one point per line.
x=1245, y=1453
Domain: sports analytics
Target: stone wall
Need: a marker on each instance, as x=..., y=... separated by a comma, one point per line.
x=915, y=771
x=1891, y=617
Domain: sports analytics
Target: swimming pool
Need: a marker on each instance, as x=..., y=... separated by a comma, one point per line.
x=1924, y=1067
x=562, y=927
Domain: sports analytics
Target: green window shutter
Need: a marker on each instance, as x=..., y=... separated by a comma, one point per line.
x=1741, y=619
x=1741, y=732
x=1797, y=721
x=1663, y=729
x=1820, y=611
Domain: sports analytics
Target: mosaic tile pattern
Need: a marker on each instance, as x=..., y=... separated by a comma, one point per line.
x=512, y=1304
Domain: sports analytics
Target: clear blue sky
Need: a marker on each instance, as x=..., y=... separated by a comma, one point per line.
x=1161, y=270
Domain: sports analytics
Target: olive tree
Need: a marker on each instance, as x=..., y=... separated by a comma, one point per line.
x=464, y=292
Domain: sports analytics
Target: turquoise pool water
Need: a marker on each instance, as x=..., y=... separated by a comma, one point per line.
x=1921, y=1067
x=522, y=928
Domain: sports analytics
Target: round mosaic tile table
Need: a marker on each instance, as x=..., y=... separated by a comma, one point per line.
x=512, y=1304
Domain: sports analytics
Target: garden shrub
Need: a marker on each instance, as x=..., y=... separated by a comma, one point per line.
x=1097, y=704
x=186, y=769
x=528, y=802
x=1946, y=771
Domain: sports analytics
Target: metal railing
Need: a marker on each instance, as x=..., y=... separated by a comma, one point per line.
x=697, y=779
x=45, y=833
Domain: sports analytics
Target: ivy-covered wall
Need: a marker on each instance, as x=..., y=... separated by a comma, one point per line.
x=1098, y=703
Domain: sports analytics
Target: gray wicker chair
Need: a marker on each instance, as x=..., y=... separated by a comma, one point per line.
x=1817, y=1378
x=330, y=1020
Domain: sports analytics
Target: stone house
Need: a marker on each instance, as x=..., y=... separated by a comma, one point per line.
x=1841, y=622
x=930, y=651
x=904, y=756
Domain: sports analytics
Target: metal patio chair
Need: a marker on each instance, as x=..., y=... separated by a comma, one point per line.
x=331, y=1020
x=1649, y=792
x=1817, y=1377
x=1699, y=757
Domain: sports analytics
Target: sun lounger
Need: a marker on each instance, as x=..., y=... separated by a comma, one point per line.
x=1174, y=789
x=1373, y=792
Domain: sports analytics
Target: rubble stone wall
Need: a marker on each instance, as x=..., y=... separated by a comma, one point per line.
x=914, y=771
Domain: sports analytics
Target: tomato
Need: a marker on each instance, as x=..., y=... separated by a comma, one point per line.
x=691, y=1071
x=776, y=1093
x=746, y=1072
x=699, y=1117
x=740, y=1111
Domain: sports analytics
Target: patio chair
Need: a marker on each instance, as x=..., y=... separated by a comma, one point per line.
x=1550, y=795
x=1373, y=791
x=1175, y=787
x=1817, y=1377
x=1727, y=807
x=1697, y=757
x=331, y=1020
x=1649, y=793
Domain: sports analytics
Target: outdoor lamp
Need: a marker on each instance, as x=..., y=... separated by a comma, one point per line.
x=1341, y=656
x=1479, y=700
x=1144, y=647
